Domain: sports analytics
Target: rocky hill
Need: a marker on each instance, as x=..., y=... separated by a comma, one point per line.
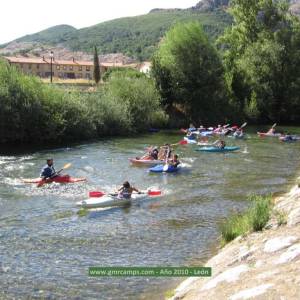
x=135, y=37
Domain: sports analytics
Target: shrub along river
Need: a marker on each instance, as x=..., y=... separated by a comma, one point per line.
x=46, y=245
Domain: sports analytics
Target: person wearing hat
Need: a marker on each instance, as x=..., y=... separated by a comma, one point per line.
x=48, y=170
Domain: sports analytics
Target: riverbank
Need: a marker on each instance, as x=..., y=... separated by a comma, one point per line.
x=261, y=265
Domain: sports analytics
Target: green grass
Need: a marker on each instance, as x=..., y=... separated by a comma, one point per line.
x=254, y=219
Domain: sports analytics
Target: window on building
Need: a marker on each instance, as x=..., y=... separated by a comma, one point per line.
x=71, y=68
x=87, y=68
x=60, y=75
x=80, y=68
x=21, y=65
x=87, y=76
x=38, y=66
x=57, y=67
x=29, y=66
x=65, y=67
x=79, y=75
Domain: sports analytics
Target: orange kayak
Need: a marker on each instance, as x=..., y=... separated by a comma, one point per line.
x=137, y=161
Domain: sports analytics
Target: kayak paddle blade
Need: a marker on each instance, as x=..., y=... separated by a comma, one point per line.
x=96, y=194
x=166, y=167
x=183, y=142
x=154, y=192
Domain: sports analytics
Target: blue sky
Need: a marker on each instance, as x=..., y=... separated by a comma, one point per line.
x=21, y=17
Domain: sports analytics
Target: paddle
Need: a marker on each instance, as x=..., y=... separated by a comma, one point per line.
x=243, y=125
x=43, y=181
x=274, y=125
x=166, y=166
x=98, y=194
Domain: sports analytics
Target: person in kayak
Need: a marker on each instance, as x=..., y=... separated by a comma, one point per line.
x=271, y=131
x=164, y=152
x=219, y=144
x=174, y=162
x=48, y=170
x=126, y=190
x=154, y=153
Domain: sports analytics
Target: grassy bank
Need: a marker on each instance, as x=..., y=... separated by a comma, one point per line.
x=254, y=219
x=34, y=112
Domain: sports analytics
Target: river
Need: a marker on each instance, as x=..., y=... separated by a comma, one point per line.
x=47, y=244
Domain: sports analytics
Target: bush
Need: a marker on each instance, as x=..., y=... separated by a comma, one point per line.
x=139, y=98
x=254, y=219
x=32, y=111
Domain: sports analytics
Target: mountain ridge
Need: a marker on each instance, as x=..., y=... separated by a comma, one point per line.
x=135, y=37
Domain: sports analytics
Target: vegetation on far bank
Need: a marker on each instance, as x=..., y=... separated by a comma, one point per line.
x=254, y=74
x=253, y=219
x=34, y=112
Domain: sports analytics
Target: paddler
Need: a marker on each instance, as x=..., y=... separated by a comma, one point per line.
x=126, y=190
x=48, y=170
x=174, y=161
x=219, y=144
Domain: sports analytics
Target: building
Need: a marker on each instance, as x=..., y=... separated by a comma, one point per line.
x=40, y=66
x=64, y=69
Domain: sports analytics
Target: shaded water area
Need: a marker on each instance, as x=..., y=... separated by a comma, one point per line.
x=46, y=247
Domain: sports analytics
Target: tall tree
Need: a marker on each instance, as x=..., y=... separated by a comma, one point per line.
x=189, y=72
x=262, y=60
x=97, y=74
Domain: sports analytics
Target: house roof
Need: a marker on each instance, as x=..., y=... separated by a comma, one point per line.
x=41, y=60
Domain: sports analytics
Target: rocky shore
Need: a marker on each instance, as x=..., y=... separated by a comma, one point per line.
x=260, y=265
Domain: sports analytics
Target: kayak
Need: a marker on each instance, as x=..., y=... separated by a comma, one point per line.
x=216, y=149
x=153, y=130
x=290, y=138
x=59, y=179
x=190, y=141
x=111, y=201
x=206, y=133
x=161, y=169
x=265, y=134
x=137, y=161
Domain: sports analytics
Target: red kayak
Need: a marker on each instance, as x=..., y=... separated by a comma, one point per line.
x=59, y=179
x=265, y=134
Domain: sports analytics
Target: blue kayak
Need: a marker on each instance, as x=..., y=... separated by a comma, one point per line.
x=160, y=169
x=216, y=149
x=206, y=133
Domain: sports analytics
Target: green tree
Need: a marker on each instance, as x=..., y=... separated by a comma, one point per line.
x=189, y=72
x=97, y=75
x=261, y=60
x=139, y=98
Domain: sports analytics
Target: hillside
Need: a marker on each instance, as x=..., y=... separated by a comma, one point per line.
x=53, y=35
x=134, y=36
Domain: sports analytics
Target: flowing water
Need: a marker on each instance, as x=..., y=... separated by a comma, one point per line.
x=47, y=244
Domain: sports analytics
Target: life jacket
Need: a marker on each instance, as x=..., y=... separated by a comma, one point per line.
x=126, y=193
